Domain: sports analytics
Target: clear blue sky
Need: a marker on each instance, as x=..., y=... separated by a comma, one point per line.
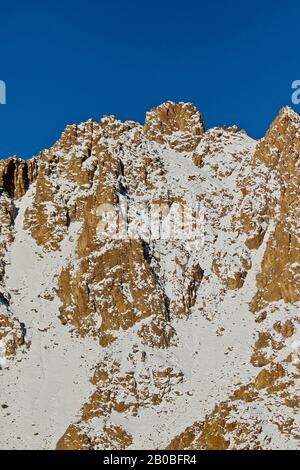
x=65, y=61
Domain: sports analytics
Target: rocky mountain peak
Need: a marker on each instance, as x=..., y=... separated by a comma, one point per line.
x=179, y=125
x=287, y=113
x=282, y=141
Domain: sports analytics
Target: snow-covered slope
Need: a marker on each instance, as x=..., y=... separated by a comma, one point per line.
x=150, y=287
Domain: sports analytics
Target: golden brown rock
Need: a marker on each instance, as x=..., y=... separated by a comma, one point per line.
x=179, y=125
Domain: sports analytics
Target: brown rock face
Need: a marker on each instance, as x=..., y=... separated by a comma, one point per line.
x=112, y=438
x=16, y=176
x=12, y=334
x=272, y=204
x=127, y=293
x=226, y=427
x=178, y=125
x=267, y=378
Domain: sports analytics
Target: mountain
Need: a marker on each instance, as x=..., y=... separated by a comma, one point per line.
x=150, y=287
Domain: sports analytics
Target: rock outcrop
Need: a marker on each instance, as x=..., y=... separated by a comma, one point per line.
x=178, y=125
x=273, y=202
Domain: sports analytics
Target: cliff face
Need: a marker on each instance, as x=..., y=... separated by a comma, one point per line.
x=150, y=285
